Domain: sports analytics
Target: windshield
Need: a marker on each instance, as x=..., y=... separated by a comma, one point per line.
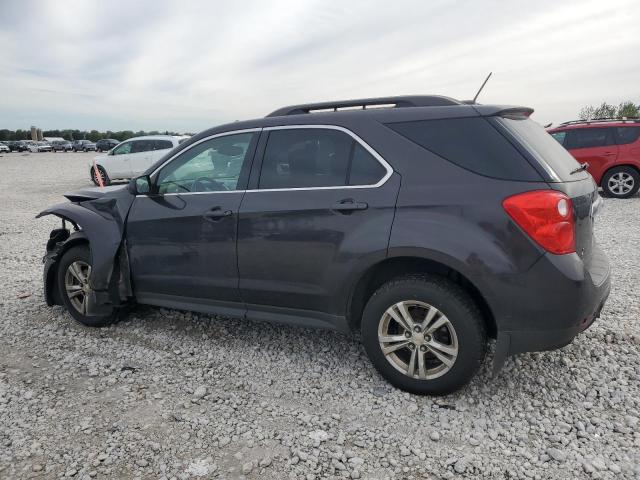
x=552, y=156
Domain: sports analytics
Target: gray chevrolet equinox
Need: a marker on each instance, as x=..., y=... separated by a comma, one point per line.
x=428, y=224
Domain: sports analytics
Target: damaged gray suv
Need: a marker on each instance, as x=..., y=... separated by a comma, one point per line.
x=428, y=224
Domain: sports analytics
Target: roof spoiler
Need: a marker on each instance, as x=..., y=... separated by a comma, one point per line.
x=515, y=113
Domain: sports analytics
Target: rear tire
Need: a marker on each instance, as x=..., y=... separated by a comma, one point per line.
x=102, y=173
x=455, y=325
x=72, y=278
x=621, y=182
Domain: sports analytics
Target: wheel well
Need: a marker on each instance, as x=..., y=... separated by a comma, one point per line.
x=399, y=266
x=51, y=290
x=629, y=165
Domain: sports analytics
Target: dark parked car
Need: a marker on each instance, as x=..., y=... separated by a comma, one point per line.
x=84, y=146
x=18, y=146
x=425, y=223
x=106, y=144
x=59, y=146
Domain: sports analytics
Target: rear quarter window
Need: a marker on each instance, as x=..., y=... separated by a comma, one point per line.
x=471, y=143
x=626, y=135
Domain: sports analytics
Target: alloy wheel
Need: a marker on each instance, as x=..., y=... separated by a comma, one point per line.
x=76, y=285
x=418, y=340
x=620, y=183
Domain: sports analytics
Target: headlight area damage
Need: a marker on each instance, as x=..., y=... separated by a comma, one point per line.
x=98, y=218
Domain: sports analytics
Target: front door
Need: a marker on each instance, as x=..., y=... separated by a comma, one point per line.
x=182, y=238
x=322, y=206
x=118, y=161
x=595, y=146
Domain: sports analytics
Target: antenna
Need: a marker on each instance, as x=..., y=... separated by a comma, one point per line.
x=481, y=87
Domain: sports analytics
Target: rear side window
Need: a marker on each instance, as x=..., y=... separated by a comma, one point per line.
x=471, y=143
x=316, y=157
x=627, y=135
x=162, y=144
x=365, y=170
x=138, y=146
x=589, y=137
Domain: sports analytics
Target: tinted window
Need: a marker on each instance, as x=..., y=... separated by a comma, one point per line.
x=306, y=157
x=141, y=146
x=627, y=134
x=365, y=170
x=559, y=136
x=162, y=144
x=123, y=149
x=210, y=166
x=471, y=143
x=549, y=154
x=588, y=137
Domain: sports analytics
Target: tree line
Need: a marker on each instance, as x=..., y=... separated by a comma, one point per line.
x=93, y=135
x=604, y=110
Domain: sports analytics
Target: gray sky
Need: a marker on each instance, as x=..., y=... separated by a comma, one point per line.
x=187, y=66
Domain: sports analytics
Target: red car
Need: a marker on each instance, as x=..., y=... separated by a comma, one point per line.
x=611, y=147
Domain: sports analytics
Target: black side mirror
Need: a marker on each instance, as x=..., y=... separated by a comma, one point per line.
x=140, y=185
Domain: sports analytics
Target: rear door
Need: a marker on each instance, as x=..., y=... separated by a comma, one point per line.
x=320, y=201
x=595, y=146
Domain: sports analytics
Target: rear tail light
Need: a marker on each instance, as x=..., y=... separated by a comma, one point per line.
x=547, y=217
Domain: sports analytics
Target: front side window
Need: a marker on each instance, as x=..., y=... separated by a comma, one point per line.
x=589, y=137
x=211, y=166
x=559, y=136
x=316, y=157
x=626, y=135
x=123, y=149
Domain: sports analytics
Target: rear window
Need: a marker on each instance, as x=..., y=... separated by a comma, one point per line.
x=551, y=156
x=473, y=144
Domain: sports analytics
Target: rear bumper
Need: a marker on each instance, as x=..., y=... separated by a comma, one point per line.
x=559, y=297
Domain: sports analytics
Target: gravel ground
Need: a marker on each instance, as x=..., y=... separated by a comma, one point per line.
x=168, y=394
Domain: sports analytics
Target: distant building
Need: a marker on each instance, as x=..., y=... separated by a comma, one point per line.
x=53, y=139
x=34, y=133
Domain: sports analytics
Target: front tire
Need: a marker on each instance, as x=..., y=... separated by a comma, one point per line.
x=621, y=182
x=424, y=334
x=101, y=171
x=73, y=284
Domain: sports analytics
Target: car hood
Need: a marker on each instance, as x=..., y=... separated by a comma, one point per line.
x=93, y=193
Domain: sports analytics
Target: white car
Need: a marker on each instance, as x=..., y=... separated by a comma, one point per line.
x=4, y=148
x=132, y=157
x=35, y=147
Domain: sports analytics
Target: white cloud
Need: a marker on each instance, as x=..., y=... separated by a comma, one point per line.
x=192, y=65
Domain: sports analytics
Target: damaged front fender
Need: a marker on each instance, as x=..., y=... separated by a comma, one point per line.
x=100, y=221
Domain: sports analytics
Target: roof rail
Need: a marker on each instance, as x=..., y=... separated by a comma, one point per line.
x=603, y=120
x=365, y=103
